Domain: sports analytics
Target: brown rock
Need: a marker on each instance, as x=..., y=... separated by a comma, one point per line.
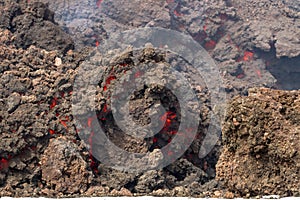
x=97, y=191
x=228, y=195
x=122, y=192
x=261, y=155
x=63, y=168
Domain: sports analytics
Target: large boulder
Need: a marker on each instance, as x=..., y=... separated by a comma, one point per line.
x=261, y=136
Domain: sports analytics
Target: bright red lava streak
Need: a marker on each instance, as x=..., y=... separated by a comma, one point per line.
x=52, y=132
x=53, y=102
x=248, y=55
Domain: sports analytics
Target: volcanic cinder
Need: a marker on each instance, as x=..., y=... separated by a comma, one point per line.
x=45, y=152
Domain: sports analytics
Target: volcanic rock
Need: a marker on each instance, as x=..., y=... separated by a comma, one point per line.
x=33, y=24
x=40, y=142
x=269, y=22
x=29, y=113
x=63, y=168
x=261, y=137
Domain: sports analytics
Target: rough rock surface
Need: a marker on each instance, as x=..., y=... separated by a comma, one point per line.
x=31, y=87
x=238, y=34
x=63, y=168
x=36, y=88
x=37, y=70
x=33, y=24
x=261, y=138
x=270, y=23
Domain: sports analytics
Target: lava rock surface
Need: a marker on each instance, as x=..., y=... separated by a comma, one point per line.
x=261, y=144
x=33, y=24
x=43, y=45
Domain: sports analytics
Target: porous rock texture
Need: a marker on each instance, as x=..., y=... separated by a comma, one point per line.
x=261, y=137
x=33, y=25
x=65, y=172
x=39, y=140
x=28, y=112
x=41, y=153
x=246, y=38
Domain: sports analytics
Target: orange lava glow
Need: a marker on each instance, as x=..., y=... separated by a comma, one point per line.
x=94, y=164
x=167, y=118
x=64, y=123
x=52, y=132
x=258, y=72
x=173, y=132
x=104, y=108
x=109, y=79
x=53, y=103
x=123, y=65
x=248, y=55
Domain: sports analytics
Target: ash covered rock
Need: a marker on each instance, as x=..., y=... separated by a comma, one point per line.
x=44, y=86
x=241, y=69
x=33, y=24
x=36, y=88
x=292, y=4
x=249, y=25
x=150, y=181
x=261, y=144
x=227, y=29
x=82, y=20
x=130, y=66
x=266, y=23
x=89, y=22
x=147, y=13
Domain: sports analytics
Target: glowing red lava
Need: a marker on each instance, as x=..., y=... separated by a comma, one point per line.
x=248, y=55
x=108, y=81
x=167, y=118
x=53, y=102
x=138, y=74
x=52, y=132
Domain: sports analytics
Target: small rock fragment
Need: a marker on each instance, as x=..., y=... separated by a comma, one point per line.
x=58, y=62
